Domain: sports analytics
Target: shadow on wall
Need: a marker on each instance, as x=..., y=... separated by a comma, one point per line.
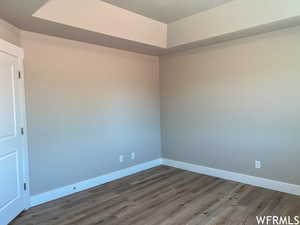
x=227, y=105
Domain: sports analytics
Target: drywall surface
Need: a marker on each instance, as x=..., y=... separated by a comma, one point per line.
x=9, y=32
x=86, y=106
x=102, y=17
x=230, y=104
x=234, y=17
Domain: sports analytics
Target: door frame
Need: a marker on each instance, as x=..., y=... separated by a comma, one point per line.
x=18, y=52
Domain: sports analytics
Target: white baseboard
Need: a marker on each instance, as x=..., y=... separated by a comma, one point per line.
x=238, y=177
x=67, y=190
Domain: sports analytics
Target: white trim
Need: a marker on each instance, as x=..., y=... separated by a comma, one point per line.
x=67, y=190
x=11, y=49
x=25, y=136
x=227, y=175
x=18, y=52
x=238, y=177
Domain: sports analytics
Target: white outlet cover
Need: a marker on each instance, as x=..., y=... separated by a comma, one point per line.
x=121, y=158
x=257, y=164
x=132, y=155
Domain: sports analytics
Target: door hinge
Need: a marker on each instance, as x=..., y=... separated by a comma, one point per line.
x=19, y=75
x=22, y=131
x=25, y=186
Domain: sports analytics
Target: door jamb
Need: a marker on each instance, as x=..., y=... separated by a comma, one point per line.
x=18, y=52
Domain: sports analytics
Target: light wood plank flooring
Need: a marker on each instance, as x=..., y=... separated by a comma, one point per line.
x=164, y=196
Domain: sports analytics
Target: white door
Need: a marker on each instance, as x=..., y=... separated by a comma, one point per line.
x=12, y=193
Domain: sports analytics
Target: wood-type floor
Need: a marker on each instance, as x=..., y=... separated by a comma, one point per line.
x=164, y=196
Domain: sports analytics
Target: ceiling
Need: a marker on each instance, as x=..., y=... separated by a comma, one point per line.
x=238, y=18
x=167, y=11
x=19, y=13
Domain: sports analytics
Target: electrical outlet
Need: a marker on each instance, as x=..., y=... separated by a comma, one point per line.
x=133, y=155
x=257, y=164
x=121, y=158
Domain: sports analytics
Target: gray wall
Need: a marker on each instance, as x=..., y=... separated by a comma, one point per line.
x=87, y=105
x=226, y=105
x=9, y=33
x=221, y=106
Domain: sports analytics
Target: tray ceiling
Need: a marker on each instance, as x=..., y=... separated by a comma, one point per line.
x=167, y=11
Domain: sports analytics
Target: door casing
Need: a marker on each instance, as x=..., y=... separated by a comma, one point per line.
x=18, y=52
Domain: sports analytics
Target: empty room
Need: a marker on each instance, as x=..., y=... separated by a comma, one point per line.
x=149, y=112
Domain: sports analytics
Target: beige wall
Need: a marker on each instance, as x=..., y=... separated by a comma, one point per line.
x=87, y=105
x=227, y=105
x=9, y=33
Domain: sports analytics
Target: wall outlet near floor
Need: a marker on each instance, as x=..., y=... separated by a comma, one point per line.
x=257, y=164
x=121, y=158
x=132, y=155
